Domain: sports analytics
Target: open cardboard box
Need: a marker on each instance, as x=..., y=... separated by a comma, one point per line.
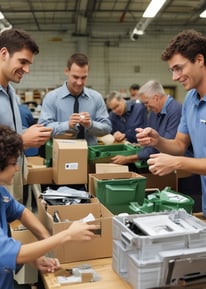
x=27, y=274
x=38, y=173
x=44, y=207
x=99, y=247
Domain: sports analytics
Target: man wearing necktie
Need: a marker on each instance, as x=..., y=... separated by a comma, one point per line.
x=75, y=108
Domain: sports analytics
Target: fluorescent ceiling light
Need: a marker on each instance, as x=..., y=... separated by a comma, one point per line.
x=153, y=8
x=1, y=15
x=203, y=14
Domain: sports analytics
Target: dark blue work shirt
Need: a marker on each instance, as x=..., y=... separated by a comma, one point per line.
x=135, y=116
x=166, y=123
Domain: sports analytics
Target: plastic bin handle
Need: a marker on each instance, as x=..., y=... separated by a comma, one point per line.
x=126, y=238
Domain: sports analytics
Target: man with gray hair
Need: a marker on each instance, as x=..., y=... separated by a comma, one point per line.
x=165, y=113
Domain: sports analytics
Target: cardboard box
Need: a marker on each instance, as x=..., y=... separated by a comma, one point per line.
x=99, y=247
x=38, y=173
x=44, y=208
x=110, y=168
x=70, y=161
x=28, y=274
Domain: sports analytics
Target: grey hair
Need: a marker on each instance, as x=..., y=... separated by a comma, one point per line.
x=151, y=88
x=114, y=95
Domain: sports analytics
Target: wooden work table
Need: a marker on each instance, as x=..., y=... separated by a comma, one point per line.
x=103, y=267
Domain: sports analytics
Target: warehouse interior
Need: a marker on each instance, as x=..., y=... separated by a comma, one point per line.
x=148, y=229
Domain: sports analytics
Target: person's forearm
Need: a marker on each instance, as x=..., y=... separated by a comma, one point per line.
x=192, y=165
x=29, y=220
x=132, y=158
x=30, y=252
x=170, y=146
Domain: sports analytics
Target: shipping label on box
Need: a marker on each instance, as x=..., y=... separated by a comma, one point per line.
x=70, y=161
x=98, y=247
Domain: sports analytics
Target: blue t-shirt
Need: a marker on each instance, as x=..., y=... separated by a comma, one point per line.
x=193, y=123
x=10, y=210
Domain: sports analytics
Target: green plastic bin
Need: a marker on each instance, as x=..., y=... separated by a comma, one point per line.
x=108, y=151
x=48, y=153
x=117, y=194
x=168, y=199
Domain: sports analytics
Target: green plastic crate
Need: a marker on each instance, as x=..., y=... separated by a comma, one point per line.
x=168, y=199
x=107, y=151
x=117, y=194
x=48, y=153
x=145, y=208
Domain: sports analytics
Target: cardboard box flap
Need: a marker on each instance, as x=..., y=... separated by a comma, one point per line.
x=110, y=168
x=71, y=143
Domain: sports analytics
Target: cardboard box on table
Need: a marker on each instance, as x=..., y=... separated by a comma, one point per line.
x=70, y=161
x=38, y=173
x=45, y=210
x=27, y=274
x=99, y=247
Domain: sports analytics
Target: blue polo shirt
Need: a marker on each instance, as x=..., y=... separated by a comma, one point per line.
x=10, y=210
x=193, y=123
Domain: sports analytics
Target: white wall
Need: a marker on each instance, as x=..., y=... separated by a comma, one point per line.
x=112, y=63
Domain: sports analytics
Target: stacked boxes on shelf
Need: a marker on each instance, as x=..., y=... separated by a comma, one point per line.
x=159, y=249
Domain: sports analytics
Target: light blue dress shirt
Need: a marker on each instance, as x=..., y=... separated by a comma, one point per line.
x=58, y=105
x=6, y=114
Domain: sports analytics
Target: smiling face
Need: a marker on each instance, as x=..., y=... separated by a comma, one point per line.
x=13, y=66
x=189, y=74
x=152, y=103
x=77, y=77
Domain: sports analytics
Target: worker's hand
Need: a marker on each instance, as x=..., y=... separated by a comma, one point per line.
x=120, y=160
x=85, y=119
x=162, y=164
x=147, y=136
x=80, y=231
x=119, y=137
x=45, y=264
x=36, y=135
x=74, y=120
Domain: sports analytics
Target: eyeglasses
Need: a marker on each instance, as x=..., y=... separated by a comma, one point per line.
x=177, y=68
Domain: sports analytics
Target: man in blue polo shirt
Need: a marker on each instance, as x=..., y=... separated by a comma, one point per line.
x=186, y=56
